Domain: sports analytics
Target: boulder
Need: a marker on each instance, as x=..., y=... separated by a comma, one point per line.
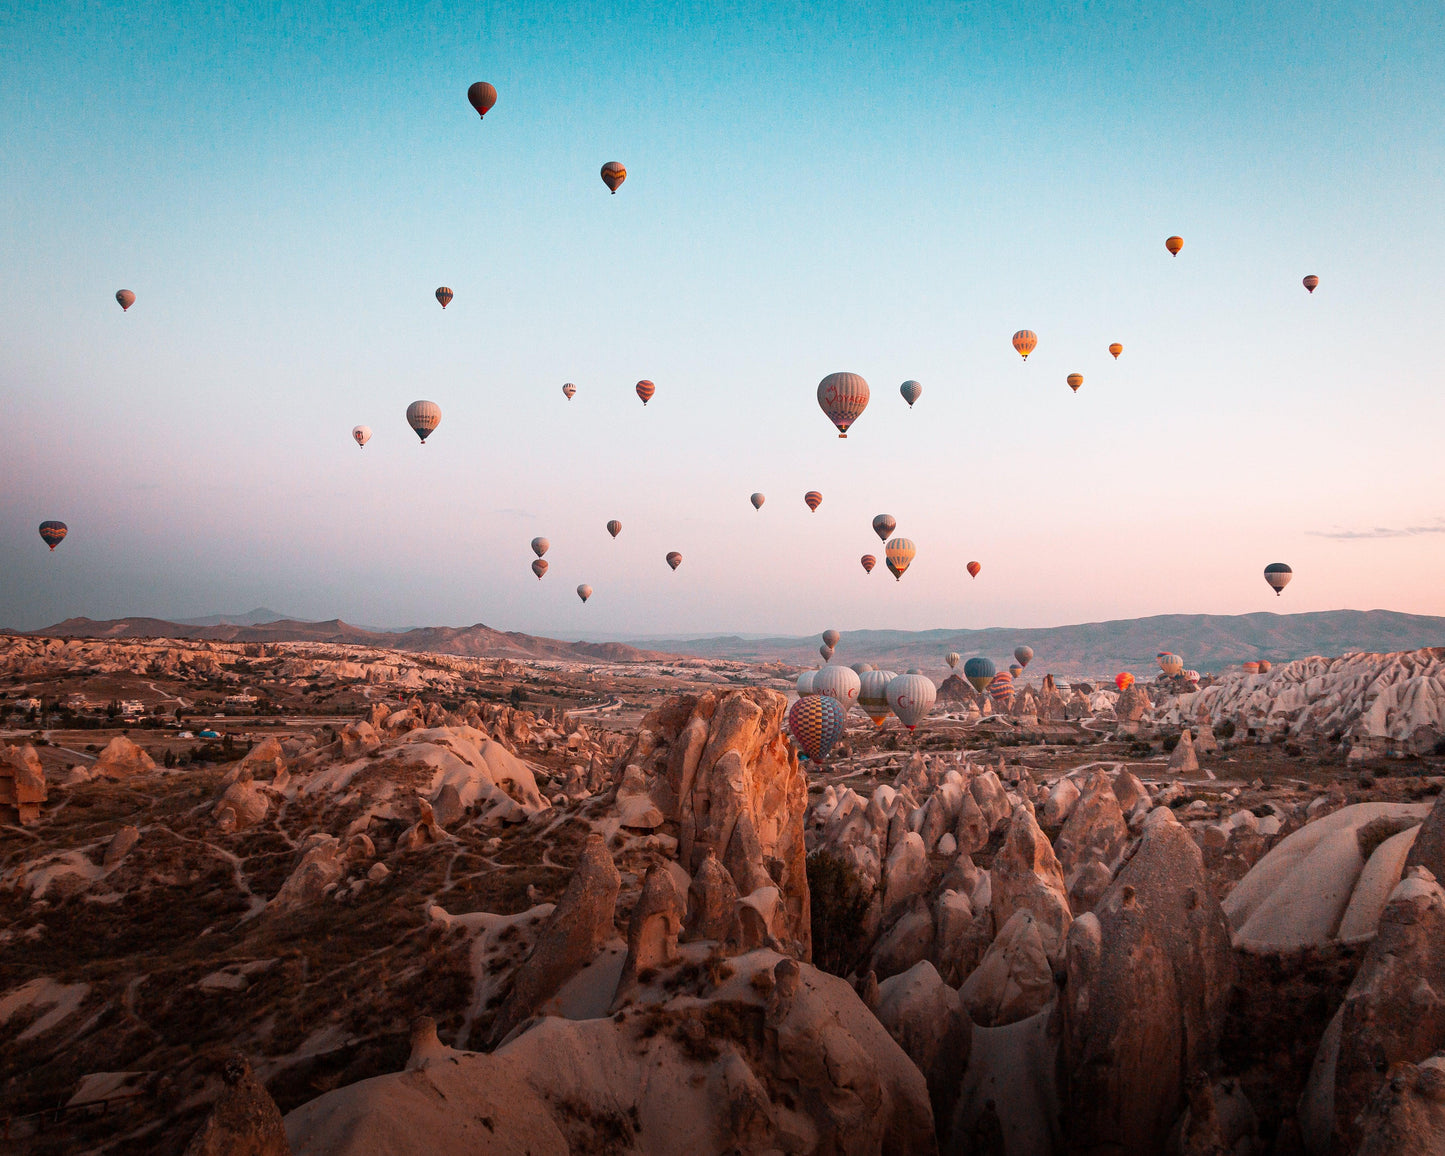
x=924, y=1017
x=357, y=739
x=244, y=1120
x=905, y=875
x=1182, y=759
x=1129, y=791
x=246, y=800
x=22, y=782
x=1014, y=980
x=972, y=829
x=121, y=844
x=652, y=930
x=121, y=759
x=321, y=869
x=1062, y=797
x=1095, y=832
x=1406, y=1117
x=711, y=899
x=988, y=792
x=1026, y=877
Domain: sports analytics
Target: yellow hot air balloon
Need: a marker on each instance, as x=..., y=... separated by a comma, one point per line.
x=1024, y=341
x=1174, y=244
x=898, y=553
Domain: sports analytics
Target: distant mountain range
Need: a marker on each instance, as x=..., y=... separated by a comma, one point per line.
x=473, y=641
x=1206, y=642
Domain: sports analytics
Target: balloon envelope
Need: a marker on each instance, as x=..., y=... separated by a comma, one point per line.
x=911, y=696
x=482, y=96
x=843, y=397
x=861, y=668
x=540, y=546
x=1250, y=668
x=1124, y=680
x=614, y=527
x=979, y=671
x=973, y=568
x=1025, y=340
x=1171, y=664
x=569, y=390
x=1265, y=666
x=1001, y=687
x=423, y=417
x=911, y=392
x=883, y=525
x=53, y=533
x=830, y=637
x=757, y=501
x=613, y=174
x=840, y=682
x=873, y=694
x=1311, y=282
x=674, y=559
x=444, y=295
x=1116, y=349
x=1277, y=574
x=816, y=723
x=1174, y=244
x=899, y=553
x=539, y=567
x=126, y=299
x=868, y=563
x=645, y=390
x=812, y=499
x=1075, y=380
x=826, y=651
x=952, y=659
x=805, y=682
x=361, y=434
x=1015, y=670
x=1024, y=654
x=584, y=592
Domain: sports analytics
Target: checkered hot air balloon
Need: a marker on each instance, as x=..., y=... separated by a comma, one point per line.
x=816, y=723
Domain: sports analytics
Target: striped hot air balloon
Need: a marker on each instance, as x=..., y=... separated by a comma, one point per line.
x=815, y=723
x=1174, y=244
x=569, y=391
x=1015, y=670
x=481, y=96
x=868, y=563
x=973, y=568
x=423, y=417
x=1116, y=349
x=614, y=527
x=1075, y=380
x=840, y=682
x=812, y=499
x=899, y=554
x=873, y=694
x=952, y=659
x=1171, y=665
x=613, y=174
x=645, y=390
x=911, y=696
x=1250, y=668
x=861, y=668
x=1025, y=340
x=979, y=671
x=53, y=533
x=1191, y=676
x=843, y=397
x=444, y=295
x=1000, y=688
x=1265, y=666
x=1278, y=575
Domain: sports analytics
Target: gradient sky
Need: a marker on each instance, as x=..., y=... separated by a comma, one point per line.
x=889, y=189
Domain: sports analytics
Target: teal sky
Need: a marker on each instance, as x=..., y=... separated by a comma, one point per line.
x=888, y=189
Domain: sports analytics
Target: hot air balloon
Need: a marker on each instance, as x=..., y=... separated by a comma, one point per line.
x=423, y=417
x=126, y=299
x=883, y=525
x=614, y=527
x=911, y=392
x=361, y=434
x=873, y=694
x=899, y=554
x=1171, y=665
x=1001, y=687
x=482, y=96
x=1265, y=666
x=1124, y=680
x=1174, y=244
x=861, y=668
x=53, y=533
x=1191, y=676
x=1250, y=667
x=539, y=567
x=645, y=390
x=1075, y=380
x=613, y=174
x=1024, y=341
x=979, y=671
x=826, y=651
x=444, y=295
x=840, y=682
x=1310, y=282
x=911, y=696
x=1015, y=670
x=831, y=637
x=757, y=501
x=1116, y=349
x=952, y=659
x=812, y=499
x=1024, y=654
x=584, y=592
x=569, y=390
x=805, y=682
x=674, y=559
x=868, y=563
x=973, y=568
x=540, y=546
x=843, y=396
x=816, y=723
x=1277, y=574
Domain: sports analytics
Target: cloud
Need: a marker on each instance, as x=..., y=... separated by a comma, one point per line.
x=1435, y=527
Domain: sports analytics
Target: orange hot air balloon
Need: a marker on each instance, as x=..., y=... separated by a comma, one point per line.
x=1116, y=349
x=569, y=391
x=482, y=96
x=539, y=567
x=674, y=559
x=898, y=554
x=973, y=568
x=1024, y=342
x=1124, y=680
x=613, y=174
x=645, y=390
x=125, y=298
x=813, y=499
x=444, y=295
x=868, y=563
x=1075, y=380
x=1174, y=244
x=1310, y=282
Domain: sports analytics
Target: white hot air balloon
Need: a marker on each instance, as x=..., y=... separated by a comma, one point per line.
x=838, y=682
x=873, y=694
x=911, y=696
x=361, y=435
x=423, y=417
x=952, y=659
x=805, y=683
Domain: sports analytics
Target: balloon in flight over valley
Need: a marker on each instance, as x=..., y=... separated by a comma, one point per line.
x=674, y=559
x=444, y=295
x=569, y=391
x=899, y=554
x=1250, y=667
x=1277, y=574
x=757, y=501
x=861, y=668
x=482, y=96
x=812, y=499
x=1124, y=680
x=873, y=694
x=831, y=637
x=539, y=567
x=1025, y=341
x=613, y=174
x=1265, y=666
x=843, y=397
x=868, y=562
x=979, y=671
x=840, y=682
x=816, y=723
x=584, y=592
x=884, y=525
x=973, y=568
x=361, y=434
x=1311, y=282
x=911, y=696
x=1024, y=654
x=1001, y=687
x=1171, y=664
x=614, y=527
x=805, y=683
x=952, y=659
x=53, y=533
x=1174, y=244
x=540, y=546
x=645, y=390
x=911, y=392
x=126, y=299
x=826, y=651
x=1075, y=380
x=1116, y=349
x=1014, y=670
x=423, y=417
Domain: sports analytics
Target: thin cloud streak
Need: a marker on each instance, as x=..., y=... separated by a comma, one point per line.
x=1437, y=527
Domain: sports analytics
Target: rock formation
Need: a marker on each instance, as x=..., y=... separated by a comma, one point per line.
x=244, y=1120
x=22, y=782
